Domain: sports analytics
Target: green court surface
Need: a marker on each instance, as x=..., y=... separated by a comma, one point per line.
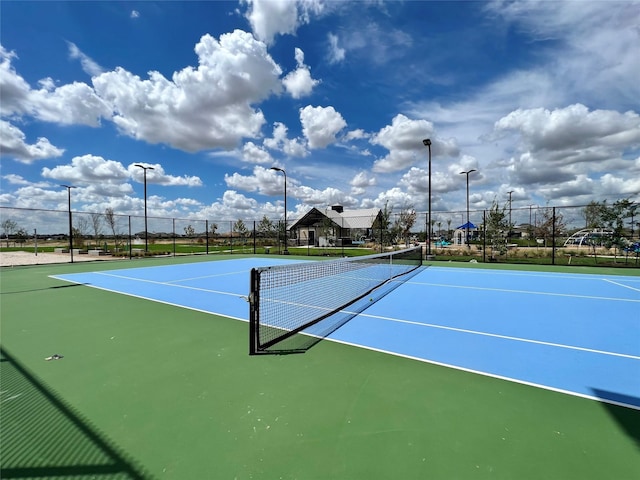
x=148, y=390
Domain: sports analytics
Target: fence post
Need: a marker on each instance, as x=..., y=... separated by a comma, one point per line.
x=484, y=236
x=206, y=236
x=553, y=236
x=130, y=246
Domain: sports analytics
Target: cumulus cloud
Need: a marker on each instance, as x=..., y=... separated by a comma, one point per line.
x=269, y=18
x=299, y=82
x=572, y=127
x=13, y=144
x=279, y=141
x=252, y=153
x=560, y=145
x=199, y=108
x=160, y=177
x=403, y=139
x=320, y=125
x=75, y=103
x=264, y=181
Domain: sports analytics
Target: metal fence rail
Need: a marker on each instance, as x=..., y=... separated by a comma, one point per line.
x=576, y=235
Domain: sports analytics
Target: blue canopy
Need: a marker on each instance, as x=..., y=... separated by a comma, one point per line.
x=468, y=225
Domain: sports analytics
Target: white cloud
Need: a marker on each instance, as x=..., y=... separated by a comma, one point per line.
x=75, y=103
x=252, y=153
x=299, y=82
x=198, y=109
x=279, y=141
x=403, y=139
x=320, y=125
x=572, y=127
x=86, y=170
x=89, y=66
x=159, y=177
x=134, y=14
x=336, y=54
x=596, y=56
x=13, y=144
x=269, y=18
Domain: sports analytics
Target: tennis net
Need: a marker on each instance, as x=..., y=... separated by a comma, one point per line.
x=293, y=306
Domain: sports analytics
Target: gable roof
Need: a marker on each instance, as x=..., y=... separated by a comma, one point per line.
x=360, y=218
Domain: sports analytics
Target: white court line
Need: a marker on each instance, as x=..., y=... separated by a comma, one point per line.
x=487, y=374
x=167, y=285
x=528, y=292
x=516, y=273
x=621, y=285
x=505, y=337
x=205, y=276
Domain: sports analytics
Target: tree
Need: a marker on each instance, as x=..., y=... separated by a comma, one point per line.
x=213, y=228
x=496, y=228
x=550, y=226
x=266, y=227
x=240, y=228
x=110, y=219
x=8, y=227
x=381, y=225
x=189, y=232
x=80, y=231
x=404, y=223
x=96, y=223
x=592, y=214
x=21, y=236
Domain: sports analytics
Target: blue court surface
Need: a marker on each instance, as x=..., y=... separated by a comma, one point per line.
x=573, y=333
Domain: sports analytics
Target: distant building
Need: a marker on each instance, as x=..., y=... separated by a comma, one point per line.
x=335, y=226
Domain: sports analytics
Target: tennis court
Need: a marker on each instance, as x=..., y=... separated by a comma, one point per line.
x=458, y=373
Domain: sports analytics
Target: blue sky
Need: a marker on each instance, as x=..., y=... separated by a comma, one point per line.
x=541, y=98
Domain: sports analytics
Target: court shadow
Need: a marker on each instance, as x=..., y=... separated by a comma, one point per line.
x=42, y=436
x=627, y=418
x=46, y=288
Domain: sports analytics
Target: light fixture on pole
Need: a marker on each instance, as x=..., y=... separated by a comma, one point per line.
x=427, y=143
x=69, y=187
x=146, y=239
x=509, y=234
x=467, y=224
x=278, y=169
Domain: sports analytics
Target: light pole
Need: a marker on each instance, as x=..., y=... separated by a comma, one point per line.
x=427, y=143
x=146, y=240
x=69, y=187
x=509, y=234
x=467, y=224
x=278, y=169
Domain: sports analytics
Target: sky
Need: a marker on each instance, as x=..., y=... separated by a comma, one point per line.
x=541, y=98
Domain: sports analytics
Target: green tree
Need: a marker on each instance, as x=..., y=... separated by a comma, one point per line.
x=240, y=228
x=497, y=228
x=381, y=225
x=266, y=227
x=21, y=236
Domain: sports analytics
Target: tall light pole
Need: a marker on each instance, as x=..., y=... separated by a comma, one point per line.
x=467, y=224
x=427, y=143
x=146, y=234
x=509, y=234
x=69, y=187
x=278, y=169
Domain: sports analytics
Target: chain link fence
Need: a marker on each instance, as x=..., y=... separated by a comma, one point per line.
x=596, y=234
